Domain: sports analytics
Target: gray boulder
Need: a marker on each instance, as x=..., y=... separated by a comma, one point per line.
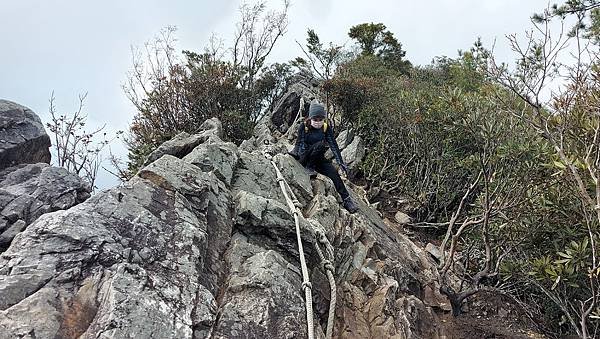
x=302, y=91
x=23, y=139
x=354, y=152
x=29, y=189
x=344, y=139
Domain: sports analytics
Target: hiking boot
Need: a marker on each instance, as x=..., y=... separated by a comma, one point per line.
x=350, y=205
x=311, y=172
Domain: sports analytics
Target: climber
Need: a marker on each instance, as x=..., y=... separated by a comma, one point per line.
x=314, y=136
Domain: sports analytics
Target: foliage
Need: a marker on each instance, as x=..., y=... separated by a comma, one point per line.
x=412, y=120
x=439, y=138
x=174, y=93
x=320, y=60
x=566, y=269
x=375, y=40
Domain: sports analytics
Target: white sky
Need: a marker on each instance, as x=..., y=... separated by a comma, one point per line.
x=74, y=46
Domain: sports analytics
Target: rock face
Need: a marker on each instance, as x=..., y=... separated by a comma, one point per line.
x=29, y=189
x=200, y=244
x=22, y=136
x=285, y=112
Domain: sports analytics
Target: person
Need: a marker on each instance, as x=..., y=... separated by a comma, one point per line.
x=314, y=137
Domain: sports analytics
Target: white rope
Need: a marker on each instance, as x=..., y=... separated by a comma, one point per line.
x=328, y=268
x=300, y=109
x=305, y=279
x=326, y=262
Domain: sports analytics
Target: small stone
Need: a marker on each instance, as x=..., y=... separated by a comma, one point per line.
x=402, y=218
x=433, y=250
x=146, y=253
x=136, y=258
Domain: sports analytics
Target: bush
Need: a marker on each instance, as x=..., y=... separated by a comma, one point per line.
x=175, y=93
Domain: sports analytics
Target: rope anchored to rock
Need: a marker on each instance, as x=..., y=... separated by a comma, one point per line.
x=295, y=207
x=329, y=269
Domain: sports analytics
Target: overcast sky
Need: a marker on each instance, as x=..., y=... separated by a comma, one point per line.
x=73, y=46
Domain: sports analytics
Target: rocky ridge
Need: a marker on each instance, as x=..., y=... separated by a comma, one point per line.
x=200, y=244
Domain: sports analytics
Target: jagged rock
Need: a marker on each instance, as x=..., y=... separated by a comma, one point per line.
x=183, y=143
x=203, y=245
x=23, y=139
x=8, y=235
x=287, y=109
x=354, y=152
x=262, y=296
x=256, y=174
x=167, y=211
x=219, y=157
x=28, y=191
x=295, y=176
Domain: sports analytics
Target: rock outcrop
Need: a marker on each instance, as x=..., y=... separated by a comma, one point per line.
x=28, y=191
x=23, y=139
x=296, y=100
x=200, y=244
x=29, y=187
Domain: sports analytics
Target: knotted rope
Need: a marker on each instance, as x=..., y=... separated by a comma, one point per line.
x=329, y=269
x=326, y=261
x=305, y=279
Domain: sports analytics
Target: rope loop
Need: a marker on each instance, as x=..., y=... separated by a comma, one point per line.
x=306, y=284
x=322, y=237
x=327, y=265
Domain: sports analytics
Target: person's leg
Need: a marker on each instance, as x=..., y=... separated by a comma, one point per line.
x=326, y=168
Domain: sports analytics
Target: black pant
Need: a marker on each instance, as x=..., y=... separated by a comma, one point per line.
x=314, y=157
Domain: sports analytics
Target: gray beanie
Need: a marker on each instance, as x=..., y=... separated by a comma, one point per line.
x=316, y=110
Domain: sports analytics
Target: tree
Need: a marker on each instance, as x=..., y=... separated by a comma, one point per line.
x=320, y=60
x=321, y=63
x=486, y=226
x=174, y=93
x=256, y=34
x=77, y=150
x=375, y=40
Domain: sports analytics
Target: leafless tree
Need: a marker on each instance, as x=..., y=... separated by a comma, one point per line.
x=157, y=74
x=77, y=150
x=256, y=34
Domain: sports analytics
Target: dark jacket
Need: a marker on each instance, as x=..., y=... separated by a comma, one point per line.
x=312, y=136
